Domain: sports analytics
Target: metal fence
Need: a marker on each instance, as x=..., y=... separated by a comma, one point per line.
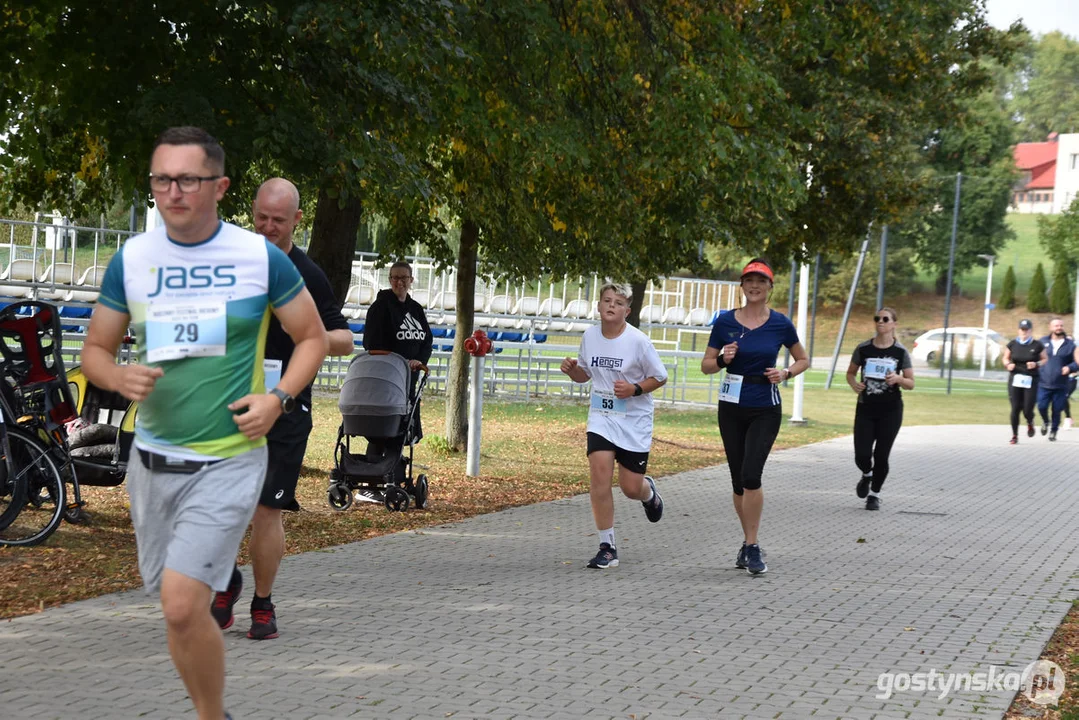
x=53, y=260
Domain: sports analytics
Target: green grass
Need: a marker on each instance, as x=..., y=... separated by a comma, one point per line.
x=971, y=402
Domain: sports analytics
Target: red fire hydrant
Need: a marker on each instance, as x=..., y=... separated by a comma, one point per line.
x=479, y=344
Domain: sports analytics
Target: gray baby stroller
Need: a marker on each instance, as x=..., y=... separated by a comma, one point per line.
x=376, y=406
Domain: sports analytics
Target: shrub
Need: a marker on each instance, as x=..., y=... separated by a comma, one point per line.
x=1060, y=297
x=1007, y=292
x=1037, y=302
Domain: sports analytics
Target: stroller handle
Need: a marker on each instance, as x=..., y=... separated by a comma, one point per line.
x=423, y=367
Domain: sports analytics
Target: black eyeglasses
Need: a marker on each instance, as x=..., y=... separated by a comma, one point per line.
x=400, y=278
x=881, y=318
x=186, y=183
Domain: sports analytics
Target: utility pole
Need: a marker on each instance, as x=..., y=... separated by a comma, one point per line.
x=883, y=265
x=988, y=307
x=946, y=355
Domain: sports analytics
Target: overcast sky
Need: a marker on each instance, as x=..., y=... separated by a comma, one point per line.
x=1040, y=16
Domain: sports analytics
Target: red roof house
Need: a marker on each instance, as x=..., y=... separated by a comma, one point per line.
x=1038, y=164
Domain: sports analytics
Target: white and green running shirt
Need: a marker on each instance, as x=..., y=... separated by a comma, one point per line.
x=201, y=313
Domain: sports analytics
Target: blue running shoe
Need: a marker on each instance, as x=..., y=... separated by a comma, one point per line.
x=607, y=557
x=653, y=509
x=740, y=561
x=754, y=560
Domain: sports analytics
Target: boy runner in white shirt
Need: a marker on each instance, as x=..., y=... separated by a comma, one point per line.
x=624, y=369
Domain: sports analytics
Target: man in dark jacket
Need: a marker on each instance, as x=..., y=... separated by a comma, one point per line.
x=398, y=323
x=1053, y=381
x=276, y=211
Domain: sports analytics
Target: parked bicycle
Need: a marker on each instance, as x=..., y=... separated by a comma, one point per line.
x=35, y=402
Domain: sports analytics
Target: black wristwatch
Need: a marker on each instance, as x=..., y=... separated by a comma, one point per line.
x=639, y=391
x=288, y=403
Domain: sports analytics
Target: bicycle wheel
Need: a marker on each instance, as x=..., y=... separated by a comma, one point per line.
x=12, y=494
x=44, y=504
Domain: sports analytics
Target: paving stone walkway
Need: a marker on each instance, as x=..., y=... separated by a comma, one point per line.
x=970, y=563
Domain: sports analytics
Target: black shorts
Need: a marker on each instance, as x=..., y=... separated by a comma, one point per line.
x=287, y=444
x=633, y=461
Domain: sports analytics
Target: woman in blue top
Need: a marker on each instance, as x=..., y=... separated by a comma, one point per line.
x=746, y=342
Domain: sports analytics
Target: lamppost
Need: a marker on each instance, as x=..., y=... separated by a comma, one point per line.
x=988, y=306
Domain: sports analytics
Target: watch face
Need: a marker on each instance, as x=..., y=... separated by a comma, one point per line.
x=287, y=401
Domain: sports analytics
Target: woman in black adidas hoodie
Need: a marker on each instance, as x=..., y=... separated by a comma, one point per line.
x=398, y=323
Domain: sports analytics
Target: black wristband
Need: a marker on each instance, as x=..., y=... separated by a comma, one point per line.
x=639, y=391
x=720, y=362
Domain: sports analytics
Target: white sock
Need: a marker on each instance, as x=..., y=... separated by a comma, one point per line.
x=607, y=536
x=650, y=495
x=868, y=474
x=873, y=494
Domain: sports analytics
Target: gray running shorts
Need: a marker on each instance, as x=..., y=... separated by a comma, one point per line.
x=193, y=523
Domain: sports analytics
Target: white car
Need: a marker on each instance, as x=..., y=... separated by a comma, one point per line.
x=967, y=341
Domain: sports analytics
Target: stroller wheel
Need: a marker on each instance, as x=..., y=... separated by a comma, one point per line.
x=74, y=514
x=396, y=499
x=339, y=497
x=419, y=494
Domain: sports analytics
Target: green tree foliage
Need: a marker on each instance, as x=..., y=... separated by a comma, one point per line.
x=1007, y=290
x=1036, y=299
x=324, y=93
x=1060, y=296
x=1059, y=235
x=612, y=134
x=976, y=143
x=900, y=274
x=1046, y=97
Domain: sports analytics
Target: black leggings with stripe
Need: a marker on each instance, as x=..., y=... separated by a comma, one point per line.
x=748, y=434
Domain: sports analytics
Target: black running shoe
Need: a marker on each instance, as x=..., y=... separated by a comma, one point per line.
x=1053, y=436
x=223, y=601
x=872, y=503
x=263, y=622
x=653, y=509
x=1014, y=440
x=607, y=557
x=755, y=560
x=1045, y=427
x=863, y=486
x=740, y=561
x=1030, y=429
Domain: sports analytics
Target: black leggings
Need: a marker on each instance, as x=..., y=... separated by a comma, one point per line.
x=1022, y=399
x=748, y=434
x=874, y=434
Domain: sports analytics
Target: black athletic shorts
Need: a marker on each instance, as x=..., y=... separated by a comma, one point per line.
x=633, y=461
x=287, y=444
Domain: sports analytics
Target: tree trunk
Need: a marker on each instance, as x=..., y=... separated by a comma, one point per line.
x=636, y=303
x=333, y=239
x=457, y=381
x=941, y=284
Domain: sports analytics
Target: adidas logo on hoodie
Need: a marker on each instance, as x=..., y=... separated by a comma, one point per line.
x=411, y=329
